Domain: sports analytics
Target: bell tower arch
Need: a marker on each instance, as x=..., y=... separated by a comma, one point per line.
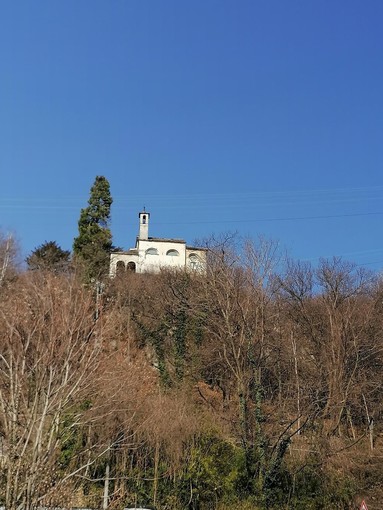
x=143, y=233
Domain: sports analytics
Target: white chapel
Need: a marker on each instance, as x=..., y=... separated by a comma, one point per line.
x=151, y=254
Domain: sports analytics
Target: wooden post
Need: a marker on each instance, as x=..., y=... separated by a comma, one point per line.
x=106, y=488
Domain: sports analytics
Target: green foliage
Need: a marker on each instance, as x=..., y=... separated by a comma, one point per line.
x=72, y=436
x=312, y=488
x=171, y=333
x=70, y=440
x=212, y=471
x=94, y=243
x=49, y=256
x=156, y=338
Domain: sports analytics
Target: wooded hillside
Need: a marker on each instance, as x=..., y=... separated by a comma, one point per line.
x=255, y=386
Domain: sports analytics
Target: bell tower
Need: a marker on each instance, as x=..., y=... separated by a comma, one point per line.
x=144, y=225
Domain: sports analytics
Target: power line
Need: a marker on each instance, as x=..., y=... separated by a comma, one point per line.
x=323, y=192
x=255, y=220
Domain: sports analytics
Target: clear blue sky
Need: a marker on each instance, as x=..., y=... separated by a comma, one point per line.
x=260, y=116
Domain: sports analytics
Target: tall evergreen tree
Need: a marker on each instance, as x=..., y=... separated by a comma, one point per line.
x=93, y=244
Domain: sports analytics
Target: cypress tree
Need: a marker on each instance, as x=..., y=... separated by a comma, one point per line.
x=93, y=244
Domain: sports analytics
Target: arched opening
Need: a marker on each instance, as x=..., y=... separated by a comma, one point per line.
x=120, y=268
x=172, y=253
x=151, y=251
x=131, y=267
x=193, y=260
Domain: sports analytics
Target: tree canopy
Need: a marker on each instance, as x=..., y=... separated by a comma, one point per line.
x=49, y=256
x=93, y=244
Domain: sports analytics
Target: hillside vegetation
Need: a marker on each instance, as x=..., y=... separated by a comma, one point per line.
x=255, y=386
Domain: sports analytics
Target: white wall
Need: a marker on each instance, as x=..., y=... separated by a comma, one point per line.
x=193, y=259
x=153, y=263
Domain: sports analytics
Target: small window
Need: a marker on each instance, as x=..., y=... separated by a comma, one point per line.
x=193, y=260
x=151, y=251
x=172, y=253
x=144, y=219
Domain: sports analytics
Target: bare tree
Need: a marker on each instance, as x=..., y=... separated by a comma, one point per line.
x=49, y=352
x=238, y=296
x=329, y=312
x=8, y=252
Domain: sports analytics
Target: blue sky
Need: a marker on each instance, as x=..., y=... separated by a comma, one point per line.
x=263, y=117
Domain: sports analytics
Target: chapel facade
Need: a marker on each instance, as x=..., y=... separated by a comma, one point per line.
x=151, y=254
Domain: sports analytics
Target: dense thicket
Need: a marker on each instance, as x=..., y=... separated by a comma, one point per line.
x=255, y=386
